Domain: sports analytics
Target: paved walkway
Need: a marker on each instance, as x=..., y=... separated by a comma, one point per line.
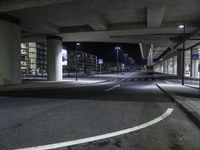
x=38, y=85
x=186, y=97
x=119, y=75
x=190, y=83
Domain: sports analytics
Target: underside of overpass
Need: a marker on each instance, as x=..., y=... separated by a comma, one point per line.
x=132, y=21
x=153, y=24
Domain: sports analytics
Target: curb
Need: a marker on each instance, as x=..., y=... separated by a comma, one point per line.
x=196, y=88
x=182, y=106
x=48, y=87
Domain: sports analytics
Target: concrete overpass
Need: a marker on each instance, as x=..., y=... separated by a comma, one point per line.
x=132, y=21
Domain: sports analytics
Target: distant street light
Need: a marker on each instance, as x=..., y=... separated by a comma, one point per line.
x=76, y=65
x=182, y=26
x=117, y=49
x=125, y=55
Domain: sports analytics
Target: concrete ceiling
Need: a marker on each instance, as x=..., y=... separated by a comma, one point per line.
x=132, y=21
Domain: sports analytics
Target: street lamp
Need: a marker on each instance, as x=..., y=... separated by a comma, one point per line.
x=182, y=26
x=125, y=55
x=117, y=50
x=77, y=45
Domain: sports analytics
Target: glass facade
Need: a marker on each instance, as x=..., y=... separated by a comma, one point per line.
x=170, y=66
x=84, y=60
x=187, y=63
x=33, y=59
x=196, y=63
x=191, y=65
x=167, y=66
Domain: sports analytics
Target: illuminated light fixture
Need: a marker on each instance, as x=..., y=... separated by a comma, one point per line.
x=78, y=44
x=181, y=26
x=118, y=48
x=64, y=51
x=64, y=63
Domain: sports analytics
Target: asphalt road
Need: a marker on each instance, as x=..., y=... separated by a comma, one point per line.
x=34, y=118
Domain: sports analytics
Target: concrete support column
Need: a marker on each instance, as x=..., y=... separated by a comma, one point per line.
x=161, y=67
x=164, y=68
x=194, y=65
x=168, y=71
x=54, y=52
x=175, y=65
x=179, y=62
x=150, y=57
x=10, y=51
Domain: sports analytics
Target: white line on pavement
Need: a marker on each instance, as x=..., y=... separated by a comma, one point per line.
x=112, y=88
x=129, y=80
x=103, y=136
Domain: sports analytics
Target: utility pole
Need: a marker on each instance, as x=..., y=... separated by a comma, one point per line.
x=117, y=49
x=183, y=54
x=125, y=55
x=76, y=59
x=182, y=26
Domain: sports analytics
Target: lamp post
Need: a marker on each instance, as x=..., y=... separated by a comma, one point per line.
x=117, y=49
x=76, y=65
x=183, y=53
x=125, y=55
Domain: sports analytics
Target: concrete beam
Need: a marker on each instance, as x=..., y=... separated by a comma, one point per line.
x=141, y=50
x=150, y=56
x=145, y=49
x=33, y=24
x=96, y=21
x=11, y=5
x=155, y=16
x=45, y=26
x=188, y=43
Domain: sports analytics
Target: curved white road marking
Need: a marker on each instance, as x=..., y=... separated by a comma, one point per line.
x=128, y=80
x=103, y=136
x=112, y=88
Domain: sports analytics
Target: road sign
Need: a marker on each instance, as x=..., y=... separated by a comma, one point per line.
x=195, y=57
x=100, y=61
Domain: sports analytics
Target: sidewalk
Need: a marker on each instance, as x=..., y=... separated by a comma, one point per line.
x=189, y=83
x=186, y=97
x=42, y=85
x=115, y=75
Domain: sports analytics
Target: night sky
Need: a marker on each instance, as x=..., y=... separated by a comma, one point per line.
x=106, y=50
